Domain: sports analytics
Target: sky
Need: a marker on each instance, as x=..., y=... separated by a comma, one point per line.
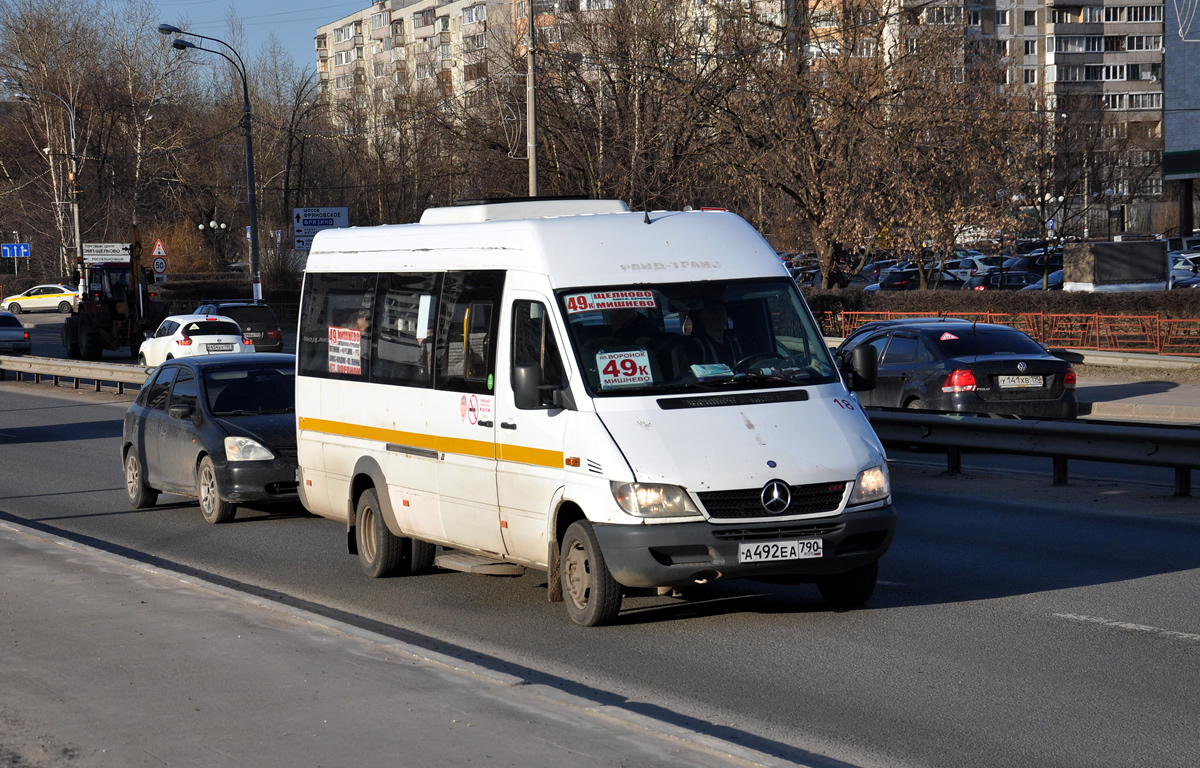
x=294, y=24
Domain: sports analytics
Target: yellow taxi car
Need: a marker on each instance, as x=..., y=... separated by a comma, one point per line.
x=51, y=297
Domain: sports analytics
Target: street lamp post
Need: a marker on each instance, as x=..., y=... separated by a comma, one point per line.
x=239, y=65
x=74, y=190
x=217, y=230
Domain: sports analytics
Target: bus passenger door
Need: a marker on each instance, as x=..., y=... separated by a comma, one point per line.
x=529, y=443
x=463, y=408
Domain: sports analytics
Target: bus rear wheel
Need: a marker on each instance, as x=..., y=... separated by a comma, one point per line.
x=380, y=552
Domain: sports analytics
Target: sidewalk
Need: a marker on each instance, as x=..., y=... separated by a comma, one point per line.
x=1140, y=396
x=108, y=662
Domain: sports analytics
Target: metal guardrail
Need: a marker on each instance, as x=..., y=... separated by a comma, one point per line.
x=954, y=434
x=77, y=371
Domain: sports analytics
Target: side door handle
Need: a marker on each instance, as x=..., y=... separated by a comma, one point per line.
x=483, y=423
x=507, y=425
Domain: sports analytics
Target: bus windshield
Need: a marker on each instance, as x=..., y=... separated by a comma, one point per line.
x=688, y=337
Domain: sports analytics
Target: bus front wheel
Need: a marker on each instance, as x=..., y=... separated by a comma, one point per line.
x=592, y=595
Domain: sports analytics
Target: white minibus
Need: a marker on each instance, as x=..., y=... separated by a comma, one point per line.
x=627, y=401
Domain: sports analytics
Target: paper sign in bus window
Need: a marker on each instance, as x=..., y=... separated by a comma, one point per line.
x=345, y=351
x=600, y=300
x=623, y=369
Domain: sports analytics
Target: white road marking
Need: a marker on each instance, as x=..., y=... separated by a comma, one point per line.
x=1130, y=627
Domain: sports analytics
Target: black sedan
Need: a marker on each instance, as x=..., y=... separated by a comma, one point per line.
x=955, y=365
x=220, y=427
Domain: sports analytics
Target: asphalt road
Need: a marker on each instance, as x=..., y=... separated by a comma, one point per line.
x=1016, y=624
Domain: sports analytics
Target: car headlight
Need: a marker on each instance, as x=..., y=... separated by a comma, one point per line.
x=871, y=485
x=641, y=500
x=245, y=449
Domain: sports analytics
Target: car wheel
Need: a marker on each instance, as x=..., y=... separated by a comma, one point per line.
x=380, y=552
x=850, y=589
x=15, y=308
x=141, y=495
x=64, y=307
x=593, y=596
x=213, y=508
x=142, y=360
x=916, y=404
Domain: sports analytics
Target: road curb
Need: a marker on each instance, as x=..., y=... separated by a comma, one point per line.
x=1149, y=412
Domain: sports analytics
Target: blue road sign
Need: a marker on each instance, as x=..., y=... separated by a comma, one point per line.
x=14, y=251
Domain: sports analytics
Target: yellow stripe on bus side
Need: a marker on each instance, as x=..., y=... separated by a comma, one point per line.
x=487, y=450
x=536, y=456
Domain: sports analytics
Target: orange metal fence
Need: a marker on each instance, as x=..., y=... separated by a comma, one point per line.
x=1122, y=333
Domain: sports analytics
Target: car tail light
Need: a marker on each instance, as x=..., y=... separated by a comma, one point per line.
x=961, y=380
x=27, y=339
x=981, y=287
x=247, y=342
x=186, y=341
x=1069, y=379
x=274, y=334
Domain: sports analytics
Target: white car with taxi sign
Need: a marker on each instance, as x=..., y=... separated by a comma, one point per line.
x=190, y=335
x=51, y=296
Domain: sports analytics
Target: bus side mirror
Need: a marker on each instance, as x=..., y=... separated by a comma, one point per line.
x=528, y=388
x=863, y=370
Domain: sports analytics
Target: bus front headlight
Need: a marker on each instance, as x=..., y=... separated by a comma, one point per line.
x=871, y=485
x=642, y=500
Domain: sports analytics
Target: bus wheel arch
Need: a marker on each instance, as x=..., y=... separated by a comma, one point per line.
x=568, y=512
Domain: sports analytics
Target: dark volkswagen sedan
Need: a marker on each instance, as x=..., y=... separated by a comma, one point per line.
x=955, y=365
x=220, y=427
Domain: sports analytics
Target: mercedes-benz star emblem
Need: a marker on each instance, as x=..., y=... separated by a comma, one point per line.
x=1021, y=366
x=776, y=496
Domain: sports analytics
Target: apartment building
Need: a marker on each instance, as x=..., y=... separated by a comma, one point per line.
x=365, y=57
x=1097, y=63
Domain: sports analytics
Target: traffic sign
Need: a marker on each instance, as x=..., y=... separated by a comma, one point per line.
x=14, y=251
x=94, y=252
x=307, y=222
x=160, y=265
x=158, y=248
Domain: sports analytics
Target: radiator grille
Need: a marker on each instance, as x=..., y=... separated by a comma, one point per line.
x=806, y=500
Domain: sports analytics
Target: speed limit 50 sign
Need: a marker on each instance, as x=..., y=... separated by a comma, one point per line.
x=160, y=266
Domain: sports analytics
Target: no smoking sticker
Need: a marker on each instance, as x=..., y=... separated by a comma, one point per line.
x=624, y=369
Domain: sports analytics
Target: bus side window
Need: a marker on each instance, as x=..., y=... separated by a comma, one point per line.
x=335, y=325
x=405, y=311
x=533, y=342
x=466, y=330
